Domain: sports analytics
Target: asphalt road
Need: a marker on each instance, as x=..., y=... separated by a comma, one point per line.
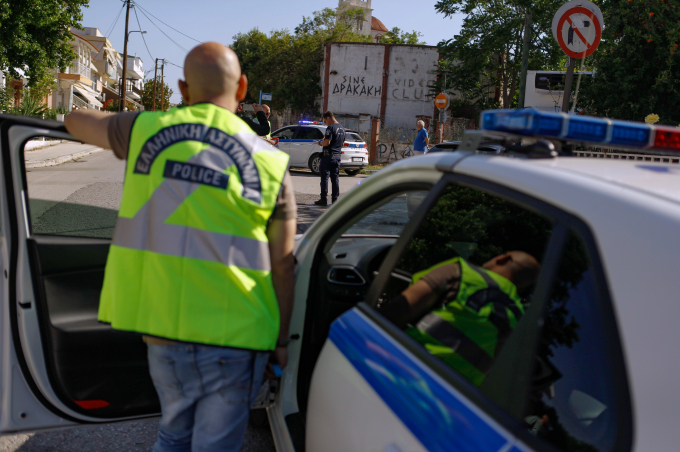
x=56, y=196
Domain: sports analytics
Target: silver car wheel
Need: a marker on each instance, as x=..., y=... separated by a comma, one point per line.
x=315, y=163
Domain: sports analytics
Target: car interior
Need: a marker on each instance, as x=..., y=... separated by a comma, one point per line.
x=93, y=369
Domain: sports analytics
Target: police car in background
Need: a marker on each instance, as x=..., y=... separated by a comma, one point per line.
x=591, y=365
x=299, y=142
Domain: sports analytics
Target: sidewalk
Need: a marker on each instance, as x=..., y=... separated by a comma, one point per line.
x=56, y=155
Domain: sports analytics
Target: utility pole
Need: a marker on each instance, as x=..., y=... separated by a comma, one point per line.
x=525, y=60
x=123, y=90
x=162, y=85
x=155, y=77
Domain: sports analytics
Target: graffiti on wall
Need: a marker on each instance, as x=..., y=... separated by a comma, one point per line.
x=356, y=86
x=411, y=89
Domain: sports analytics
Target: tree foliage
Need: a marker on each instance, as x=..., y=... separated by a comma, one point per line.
x=397, y=36
x=163, y=92
x=483, y=61
x=35, y=36
x=637, y=63
x=288, y=64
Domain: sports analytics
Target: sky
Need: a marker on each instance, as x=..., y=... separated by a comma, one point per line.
x=220, y=20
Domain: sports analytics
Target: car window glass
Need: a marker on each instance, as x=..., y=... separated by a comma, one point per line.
x=391, y=217
x=353, y=137
x=466, y=277
x=284, y=134
x=309, y=133
x=74, y=189
x=573, y=406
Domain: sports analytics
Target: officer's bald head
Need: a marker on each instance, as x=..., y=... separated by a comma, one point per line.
x=519, y=267
x=212, y=74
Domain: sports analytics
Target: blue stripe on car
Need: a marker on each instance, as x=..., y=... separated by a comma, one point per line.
x=436, y=414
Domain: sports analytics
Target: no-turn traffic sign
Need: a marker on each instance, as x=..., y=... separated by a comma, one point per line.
x=441, y=101
x=577, y=27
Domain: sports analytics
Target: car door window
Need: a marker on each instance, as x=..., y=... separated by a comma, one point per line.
x=309, y=133
x=577, y=400
x=465, y=279
x=80, y=198
x=284, y=134
x=389, y=218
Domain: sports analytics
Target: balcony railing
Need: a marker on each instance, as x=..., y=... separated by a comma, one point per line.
x=79, y=68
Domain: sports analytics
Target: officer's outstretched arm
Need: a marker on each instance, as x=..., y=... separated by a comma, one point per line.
x=281, y=236
x=412, y=304
x=89, y=126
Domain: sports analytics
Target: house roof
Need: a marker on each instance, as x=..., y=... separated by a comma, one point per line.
x=377, y=25
x=86, y=40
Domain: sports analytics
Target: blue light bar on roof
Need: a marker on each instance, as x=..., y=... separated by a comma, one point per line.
x=585, y=129
x=308, y=122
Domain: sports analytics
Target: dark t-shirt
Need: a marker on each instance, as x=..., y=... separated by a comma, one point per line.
x=336, y=134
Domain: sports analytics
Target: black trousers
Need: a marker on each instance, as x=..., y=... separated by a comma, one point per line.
x=330, y=167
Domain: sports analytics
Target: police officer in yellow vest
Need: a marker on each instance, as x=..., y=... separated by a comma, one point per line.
x=462, y=313
x=201, y=260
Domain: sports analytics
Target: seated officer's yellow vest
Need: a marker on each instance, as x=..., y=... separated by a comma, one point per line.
x=469, y=331
x=189, y=259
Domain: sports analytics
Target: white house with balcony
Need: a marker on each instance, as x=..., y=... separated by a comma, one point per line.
x=135, y=79
x=106, y=61
x=80, y=86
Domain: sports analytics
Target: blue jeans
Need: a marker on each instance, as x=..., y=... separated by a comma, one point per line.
x=330, y=167
x=205, y=394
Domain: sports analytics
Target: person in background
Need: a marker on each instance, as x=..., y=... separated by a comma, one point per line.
x=422, y=140
x=266, y=111
x=330, y=160
x=260, y=125
x=201, y=262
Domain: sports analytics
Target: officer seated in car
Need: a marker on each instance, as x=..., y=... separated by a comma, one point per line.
x=463, y=314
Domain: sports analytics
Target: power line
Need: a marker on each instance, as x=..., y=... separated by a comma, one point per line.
x=154, y=24
x=200, y=42
x=143, y=39
x=181, y=67
x=115, y=21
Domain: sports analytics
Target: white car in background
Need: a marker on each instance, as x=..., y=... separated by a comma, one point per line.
x=299, y=142
x=591, y=364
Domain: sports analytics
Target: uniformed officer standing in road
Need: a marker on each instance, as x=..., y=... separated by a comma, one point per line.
x=330, y=160
x=201, y=261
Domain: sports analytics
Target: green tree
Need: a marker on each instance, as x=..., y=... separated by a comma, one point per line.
x=637, y=63
x=163, y=91
x=483, y=61
x=287, y=64
x=397, y=36
x=35, y=36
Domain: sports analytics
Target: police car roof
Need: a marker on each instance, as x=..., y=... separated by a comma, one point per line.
x=658, y=179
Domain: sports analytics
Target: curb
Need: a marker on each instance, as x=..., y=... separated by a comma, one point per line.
x=41, y=145
x=61, y=159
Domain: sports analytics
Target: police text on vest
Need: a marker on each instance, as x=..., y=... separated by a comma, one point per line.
x=195, y=173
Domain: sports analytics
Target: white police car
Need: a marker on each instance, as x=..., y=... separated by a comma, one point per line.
x=299, y=142
x=591, y=364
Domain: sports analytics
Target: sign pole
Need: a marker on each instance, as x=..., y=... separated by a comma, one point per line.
x=580, y=73
x=567, y=85
x=260, y=101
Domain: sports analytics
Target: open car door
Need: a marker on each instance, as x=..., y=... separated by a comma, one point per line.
x=59, y=365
